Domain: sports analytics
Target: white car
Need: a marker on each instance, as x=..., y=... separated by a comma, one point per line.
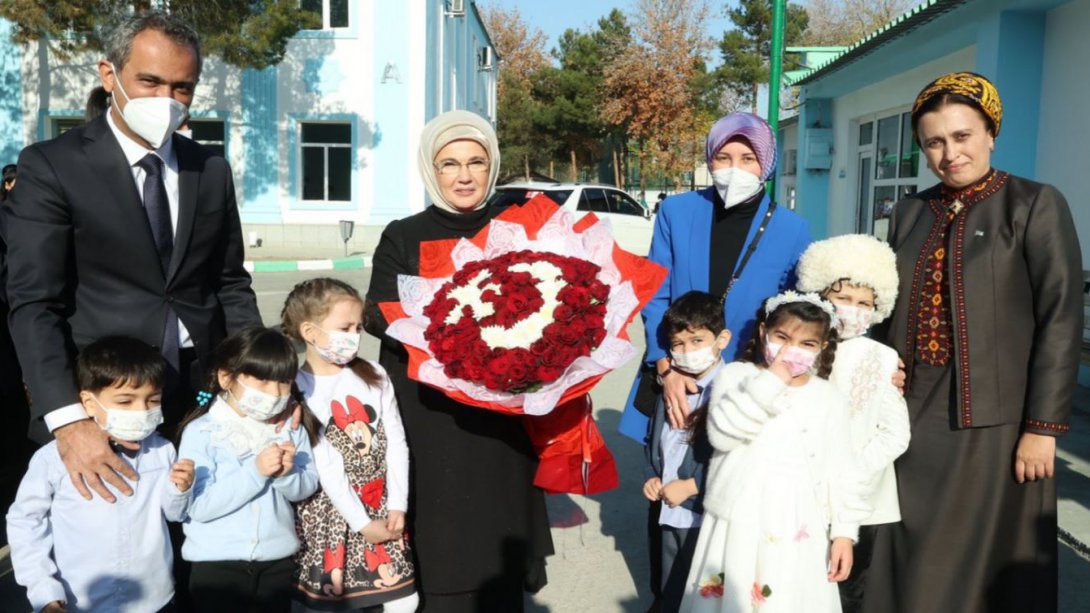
x=631, y=221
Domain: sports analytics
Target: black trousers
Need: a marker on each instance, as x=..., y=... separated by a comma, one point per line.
x=852, y=588
x=654, y=552
x=242, y=587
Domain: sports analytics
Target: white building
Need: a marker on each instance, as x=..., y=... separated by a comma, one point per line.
x=329, y=134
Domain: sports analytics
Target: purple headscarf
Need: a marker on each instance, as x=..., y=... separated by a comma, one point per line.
x=753, y=129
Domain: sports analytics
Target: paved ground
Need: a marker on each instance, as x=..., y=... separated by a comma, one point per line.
x=600, y=564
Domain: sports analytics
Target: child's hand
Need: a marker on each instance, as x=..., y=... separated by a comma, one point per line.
x=181, y=474
x=778, y=366
x=270, y=461
x=652, y=490
x=395, y=523
x=840, y=559
x=375, y=532
x=57, y=606
x=287, y=457
x=678, y=491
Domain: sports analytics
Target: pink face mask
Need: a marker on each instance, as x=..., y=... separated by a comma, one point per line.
x=797, y=359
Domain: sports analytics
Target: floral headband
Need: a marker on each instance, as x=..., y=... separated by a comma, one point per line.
x=790, y=296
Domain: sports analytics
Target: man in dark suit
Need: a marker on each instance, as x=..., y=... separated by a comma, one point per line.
x=121, y=228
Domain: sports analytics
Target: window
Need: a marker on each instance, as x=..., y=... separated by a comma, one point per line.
x=60, y=125
x=334, y=13
x=623, y=204
x=326, y=155
x=790, y=162
x=889, y=158
x=593, y=200
x=211, y=133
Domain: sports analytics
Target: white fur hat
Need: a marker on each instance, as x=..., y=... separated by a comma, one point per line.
x=859, y=258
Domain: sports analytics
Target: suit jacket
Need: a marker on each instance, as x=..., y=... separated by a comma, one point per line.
x=682, y=243
x=82, y=262
x=1015, y=274
x=693, y=466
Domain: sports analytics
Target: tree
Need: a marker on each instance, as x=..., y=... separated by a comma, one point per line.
x=570, y=93
x=843, y=22
x=521, y=52
x=521, y=49
x=648, y=89
x=746, y=49
x=246, y=33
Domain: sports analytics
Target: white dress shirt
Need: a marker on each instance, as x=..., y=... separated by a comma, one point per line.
x=92, y=554
x=675, y=444
x=134, y=152
x=320, y=392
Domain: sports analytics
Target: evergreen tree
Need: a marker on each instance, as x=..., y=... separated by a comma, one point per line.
x=246, y=33
x=746, y=49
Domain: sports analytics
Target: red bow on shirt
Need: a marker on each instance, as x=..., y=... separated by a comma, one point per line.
x=371, y=493
x=357, y=411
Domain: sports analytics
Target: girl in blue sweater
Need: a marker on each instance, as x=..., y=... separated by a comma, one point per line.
x=240, y=535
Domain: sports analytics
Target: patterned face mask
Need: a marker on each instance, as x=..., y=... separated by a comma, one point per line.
x=797, y=359
x=258, y=405
x=343, y=347
x=852, y=321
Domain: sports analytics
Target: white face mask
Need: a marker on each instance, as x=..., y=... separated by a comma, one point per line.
x=153, y=118
x=342, y=348
x=130, y=426
x=696, y=361
x=735, y=185
x=852, y=321
x=258, y=405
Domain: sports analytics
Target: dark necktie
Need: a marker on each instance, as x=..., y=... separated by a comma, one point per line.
x=157, y=208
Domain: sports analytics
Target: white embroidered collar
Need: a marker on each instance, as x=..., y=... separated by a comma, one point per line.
x=237, y=434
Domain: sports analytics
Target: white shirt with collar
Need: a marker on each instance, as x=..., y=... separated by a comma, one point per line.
x=134, y=152
x=95, y=555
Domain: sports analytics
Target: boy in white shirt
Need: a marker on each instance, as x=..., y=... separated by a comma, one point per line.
x=74, y=554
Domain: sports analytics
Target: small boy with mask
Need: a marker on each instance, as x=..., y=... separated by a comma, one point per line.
x=74, y=554
x=675, y=469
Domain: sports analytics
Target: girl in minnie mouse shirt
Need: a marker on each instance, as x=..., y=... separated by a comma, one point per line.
x=354, y=552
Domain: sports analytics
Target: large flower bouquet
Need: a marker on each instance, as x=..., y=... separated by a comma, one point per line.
x=525, y=318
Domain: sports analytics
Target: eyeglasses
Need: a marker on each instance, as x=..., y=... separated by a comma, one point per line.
x=449, y=168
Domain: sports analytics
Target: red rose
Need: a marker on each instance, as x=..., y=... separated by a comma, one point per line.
x=599, y=291
x=563, y=313
x=599, y=336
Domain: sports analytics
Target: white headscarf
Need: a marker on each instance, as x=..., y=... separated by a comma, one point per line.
x=445, y=129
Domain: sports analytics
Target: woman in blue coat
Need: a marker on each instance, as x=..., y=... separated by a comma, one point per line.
x=730, y=240
x=710, y=241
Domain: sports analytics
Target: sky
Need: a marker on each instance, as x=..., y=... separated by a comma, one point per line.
x=555, y=16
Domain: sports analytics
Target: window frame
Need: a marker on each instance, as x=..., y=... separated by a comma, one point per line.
x=902, y=183
x=300, y=166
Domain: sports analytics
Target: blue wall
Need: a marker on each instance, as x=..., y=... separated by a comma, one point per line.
x=11, y=84
x=391, y=191
x=260, y=143
x=1010, y=52
x=812, y=186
